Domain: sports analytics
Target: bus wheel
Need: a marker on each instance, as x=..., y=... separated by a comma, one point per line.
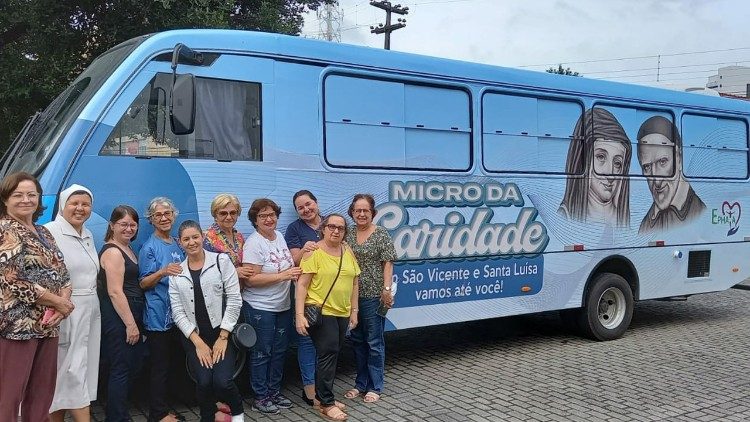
x=608, y=308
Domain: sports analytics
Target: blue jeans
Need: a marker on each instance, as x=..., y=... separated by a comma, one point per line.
x=369, y=347
x=267, y=356
x=306, y=357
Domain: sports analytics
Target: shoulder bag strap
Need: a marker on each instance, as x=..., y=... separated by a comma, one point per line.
x=224, y=294
x=341, y=260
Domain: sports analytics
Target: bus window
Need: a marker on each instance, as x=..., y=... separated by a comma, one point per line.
x=227, y=125
x=372, y=123
x=32, y=153
x=630, y=120
x=714, y=147
x=524, y=134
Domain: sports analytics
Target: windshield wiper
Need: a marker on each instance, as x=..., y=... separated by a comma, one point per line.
x=19, y=141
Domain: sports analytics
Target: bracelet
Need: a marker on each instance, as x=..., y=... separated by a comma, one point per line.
x=224, y=337
x=44, y=293
x=355, y=310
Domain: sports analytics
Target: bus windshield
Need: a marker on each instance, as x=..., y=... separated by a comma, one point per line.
x=31, y=151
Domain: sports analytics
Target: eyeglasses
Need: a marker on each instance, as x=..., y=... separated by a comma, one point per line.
x=362, y=211
x=124, y=226
x=225, y=214
x=21, y=195
x=267, y=216
x=335, y=228
x=160, y=215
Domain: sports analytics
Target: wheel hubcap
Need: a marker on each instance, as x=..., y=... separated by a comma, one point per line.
x=611, y=308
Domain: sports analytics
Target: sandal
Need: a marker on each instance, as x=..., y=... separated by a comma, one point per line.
x=222, y=417
x=371, y=397
x=341, y=406
x=223, y=408
x=333, y=413
x=352, y=394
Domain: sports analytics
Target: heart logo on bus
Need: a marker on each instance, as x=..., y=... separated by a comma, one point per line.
x=732, y=212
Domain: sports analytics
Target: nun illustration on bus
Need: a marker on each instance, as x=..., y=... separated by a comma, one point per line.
x=598, y=187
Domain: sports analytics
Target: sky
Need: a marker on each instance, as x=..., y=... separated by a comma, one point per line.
x=668, y=43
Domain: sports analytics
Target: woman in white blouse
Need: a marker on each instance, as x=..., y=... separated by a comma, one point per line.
x=80, y=333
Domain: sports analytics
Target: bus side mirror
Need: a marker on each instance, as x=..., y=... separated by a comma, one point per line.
x=182, y=105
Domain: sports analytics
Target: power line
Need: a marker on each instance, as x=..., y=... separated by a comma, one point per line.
x=667, y=67
x=654, y=56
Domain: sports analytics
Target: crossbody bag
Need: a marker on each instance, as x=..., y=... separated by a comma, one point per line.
x=314, y=312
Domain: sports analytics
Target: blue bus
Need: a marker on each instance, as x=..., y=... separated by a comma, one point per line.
x=506, y=191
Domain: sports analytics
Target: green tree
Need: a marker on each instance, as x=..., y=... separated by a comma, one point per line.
x=45, y=44
x=562, y=71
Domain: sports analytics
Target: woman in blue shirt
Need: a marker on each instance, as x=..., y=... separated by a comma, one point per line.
x=159, y=258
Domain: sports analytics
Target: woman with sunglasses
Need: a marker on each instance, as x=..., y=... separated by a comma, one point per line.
x=329, y=279
x=222, y=236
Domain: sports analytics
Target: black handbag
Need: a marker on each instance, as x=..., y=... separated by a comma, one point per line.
x=243, y=334
x=314, y=312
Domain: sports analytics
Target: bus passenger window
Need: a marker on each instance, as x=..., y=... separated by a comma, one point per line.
x=415, y=127
x=714, y=147
x=227, y=125
x=527, y=134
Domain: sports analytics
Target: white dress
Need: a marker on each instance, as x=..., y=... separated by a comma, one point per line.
x=80, y=333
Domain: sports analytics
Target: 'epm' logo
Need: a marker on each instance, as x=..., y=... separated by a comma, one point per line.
x=729, y=215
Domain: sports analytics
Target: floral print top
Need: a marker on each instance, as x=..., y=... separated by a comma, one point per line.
x=377, y=249
x=216, y=241
x=27, y=260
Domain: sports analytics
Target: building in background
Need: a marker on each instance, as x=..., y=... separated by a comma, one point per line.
x=731, y=81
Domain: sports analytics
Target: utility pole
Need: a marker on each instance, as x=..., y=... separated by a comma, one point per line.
x=388, y=27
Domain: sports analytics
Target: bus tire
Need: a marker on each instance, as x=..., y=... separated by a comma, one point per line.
x=608, y=308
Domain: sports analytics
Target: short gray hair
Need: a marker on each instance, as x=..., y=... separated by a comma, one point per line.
x=163, y=201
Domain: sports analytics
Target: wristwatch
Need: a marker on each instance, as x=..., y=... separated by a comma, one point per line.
x=387, y=288
x=223, y=337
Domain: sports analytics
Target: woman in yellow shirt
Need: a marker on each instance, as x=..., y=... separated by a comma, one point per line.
x=330, y=268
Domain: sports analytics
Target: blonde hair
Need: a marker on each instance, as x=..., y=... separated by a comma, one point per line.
x=223, y=200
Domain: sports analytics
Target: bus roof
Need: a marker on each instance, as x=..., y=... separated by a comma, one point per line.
x=374, y=59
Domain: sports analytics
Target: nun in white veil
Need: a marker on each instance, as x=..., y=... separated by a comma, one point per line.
x=80, y=333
